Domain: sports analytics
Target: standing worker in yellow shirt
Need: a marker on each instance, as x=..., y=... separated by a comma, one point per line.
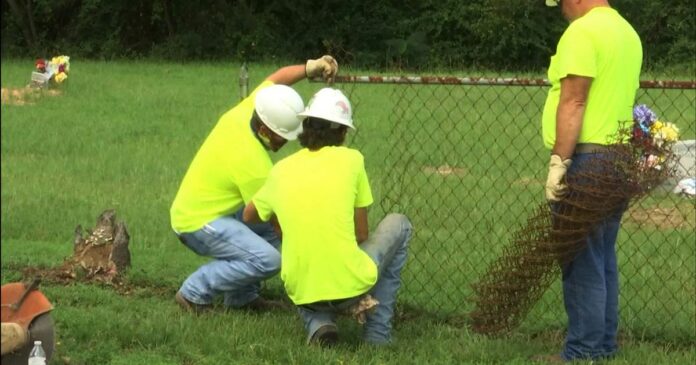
x=594, y=77
x=228, y=169
x=320, y=196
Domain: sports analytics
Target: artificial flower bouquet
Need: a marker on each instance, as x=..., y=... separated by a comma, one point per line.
x=50, y=72
x=652, y=136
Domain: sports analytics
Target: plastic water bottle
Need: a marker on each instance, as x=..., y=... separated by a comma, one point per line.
x=37, y=356
x=243, y=81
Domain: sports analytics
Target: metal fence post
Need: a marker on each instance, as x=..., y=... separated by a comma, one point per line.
x=243, y=81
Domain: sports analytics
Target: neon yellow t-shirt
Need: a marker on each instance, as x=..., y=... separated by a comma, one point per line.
x=227, y=171
x=314, y=195
x=604, y=46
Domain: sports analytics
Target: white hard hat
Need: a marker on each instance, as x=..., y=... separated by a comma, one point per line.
x=278, y=107
x=330, y=104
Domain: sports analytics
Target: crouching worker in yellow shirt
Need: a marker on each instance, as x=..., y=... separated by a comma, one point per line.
x=320, y=196
x=226, y=172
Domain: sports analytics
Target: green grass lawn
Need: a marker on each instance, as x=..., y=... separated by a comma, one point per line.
x=466, y=164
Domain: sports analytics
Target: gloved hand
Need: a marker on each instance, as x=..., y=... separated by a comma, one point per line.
x=325, y=66
x=556, y=188
x=359, y=310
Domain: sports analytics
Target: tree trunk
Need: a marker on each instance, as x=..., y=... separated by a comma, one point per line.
x=167, y=5
x=30, y=20
x=18, y=12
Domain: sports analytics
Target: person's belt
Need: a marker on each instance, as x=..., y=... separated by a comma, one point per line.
x=590, y=148
x=326, y=304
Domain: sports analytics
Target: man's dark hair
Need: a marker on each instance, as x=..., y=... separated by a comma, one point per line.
x=318, y=133
x=256, y=122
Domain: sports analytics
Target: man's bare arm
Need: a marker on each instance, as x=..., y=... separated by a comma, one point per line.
x=287, y=75
x=571, y=110
x=361, y=228
x=250, y=214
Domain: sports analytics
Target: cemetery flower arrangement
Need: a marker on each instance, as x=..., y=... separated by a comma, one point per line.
x=654, y=137
x=56, y=69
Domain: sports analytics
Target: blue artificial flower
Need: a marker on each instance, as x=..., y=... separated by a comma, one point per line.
x=642, y=114
x=644, y=117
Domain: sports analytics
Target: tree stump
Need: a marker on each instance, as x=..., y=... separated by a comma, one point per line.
x=102, y=253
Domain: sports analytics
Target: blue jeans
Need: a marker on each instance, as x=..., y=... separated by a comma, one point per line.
x=591, y=287
x=387, y=246
x=244, y=255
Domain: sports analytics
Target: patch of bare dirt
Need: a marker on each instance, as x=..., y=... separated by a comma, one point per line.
x=661, y=217
x=527, y=181
x=444, y=170
x=24, y=95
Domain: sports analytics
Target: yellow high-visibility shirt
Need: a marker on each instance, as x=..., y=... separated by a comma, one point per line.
x=314, y=195
x=601, y=45
x=227, y=171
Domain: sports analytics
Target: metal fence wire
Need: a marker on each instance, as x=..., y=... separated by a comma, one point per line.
x=463, y=158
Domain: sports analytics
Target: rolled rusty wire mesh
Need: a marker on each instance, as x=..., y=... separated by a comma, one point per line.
x=554, y=234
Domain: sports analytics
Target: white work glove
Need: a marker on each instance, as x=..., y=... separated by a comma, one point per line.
x=556, y=188
x=325, y=66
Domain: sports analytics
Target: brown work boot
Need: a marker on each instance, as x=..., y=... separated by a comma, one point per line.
x=325, y=336
x=188, y=306
x=13, y=336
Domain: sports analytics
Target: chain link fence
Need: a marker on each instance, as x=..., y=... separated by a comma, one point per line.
x=463, y=158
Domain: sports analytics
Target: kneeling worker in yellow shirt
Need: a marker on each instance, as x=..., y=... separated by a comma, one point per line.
x=320, y=196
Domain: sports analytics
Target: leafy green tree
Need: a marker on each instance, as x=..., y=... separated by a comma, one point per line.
x=410, y=34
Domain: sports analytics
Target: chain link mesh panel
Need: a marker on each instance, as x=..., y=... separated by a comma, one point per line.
x=464, y=160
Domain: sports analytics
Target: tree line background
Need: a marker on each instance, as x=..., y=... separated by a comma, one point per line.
x=488, y=34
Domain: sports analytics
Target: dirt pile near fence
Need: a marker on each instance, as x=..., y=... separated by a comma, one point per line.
x=444, y=170
x=664, y=218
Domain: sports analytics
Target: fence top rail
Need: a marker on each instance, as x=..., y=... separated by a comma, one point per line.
x=494, y=81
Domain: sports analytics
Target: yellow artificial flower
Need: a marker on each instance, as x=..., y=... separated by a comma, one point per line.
x=61, y=77
x=670, y=132
x=664, y=132
x=61, y=60
x=656, y=127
